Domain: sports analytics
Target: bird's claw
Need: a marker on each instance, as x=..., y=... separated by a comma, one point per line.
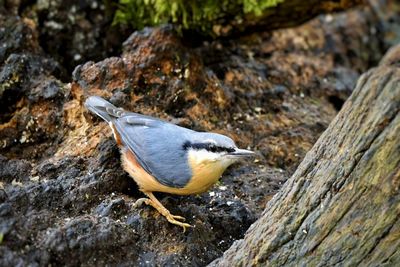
x=174, y=219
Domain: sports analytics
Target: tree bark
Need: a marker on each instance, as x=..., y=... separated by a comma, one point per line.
x=289, y=13
x=342, y=205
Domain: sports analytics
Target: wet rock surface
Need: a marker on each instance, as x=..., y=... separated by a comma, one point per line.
x=64, y=197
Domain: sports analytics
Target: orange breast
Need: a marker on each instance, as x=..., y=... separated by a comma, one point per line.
x=204, y=177
x=145, y=181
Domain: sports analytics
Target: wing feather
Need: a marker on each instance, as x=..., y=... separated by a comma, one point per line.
x=158, y=147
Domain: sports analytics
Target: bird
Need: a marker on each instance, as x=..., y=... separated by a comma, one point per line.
x=164, y=157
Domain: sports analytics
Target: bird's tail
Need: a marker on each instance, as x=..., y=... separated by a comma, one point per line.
x=103, y=108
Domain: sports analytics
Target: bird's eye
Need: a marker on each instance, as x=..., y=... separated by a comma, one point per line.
x=230, y=149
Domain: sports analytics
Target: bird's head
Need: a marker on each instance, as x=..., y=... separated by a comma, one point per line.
x=213, y=148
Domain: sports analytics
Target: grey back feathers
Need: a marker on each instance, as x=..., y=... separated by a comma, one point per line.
x=160, y=147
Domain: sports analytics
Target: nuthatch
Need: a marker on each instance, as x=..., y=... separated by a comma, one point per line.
x=164, y=157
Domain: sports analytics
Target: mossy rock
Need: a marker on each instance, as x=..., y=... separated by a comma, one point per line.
x=207, y=17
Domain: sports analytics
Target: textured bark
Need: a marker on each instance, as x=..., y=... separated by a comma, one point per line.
x=342, y=205
x=286, y=14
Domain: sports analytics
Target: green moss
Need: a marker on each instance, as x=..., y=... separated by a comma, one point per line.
x=196, y=15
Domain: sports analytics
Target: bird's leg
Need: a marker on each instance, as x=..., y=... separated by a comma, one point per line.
x=174, y=219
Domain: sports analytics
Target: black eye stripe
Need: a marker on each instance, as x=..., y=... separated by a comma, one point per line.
x=207, y=146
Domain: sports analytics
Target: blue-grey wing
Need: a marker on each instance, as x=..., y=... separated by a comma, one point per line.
x=158, y=147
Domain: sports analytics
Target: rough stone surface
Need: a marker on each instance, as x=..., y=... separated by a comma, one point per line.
x=64, y=198
x=75, y=31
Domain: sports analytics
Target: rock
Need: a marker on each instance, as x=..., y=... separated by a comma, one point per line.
x=14, y=170
x=87, y=239
x=16, y=36
x=5, y=209
x=28, y=124
x=76, y=31
x=116, y=206
x=3, y=195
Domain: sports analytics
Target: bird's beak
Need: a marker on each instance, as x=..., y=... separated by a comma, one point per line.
x=241, y=153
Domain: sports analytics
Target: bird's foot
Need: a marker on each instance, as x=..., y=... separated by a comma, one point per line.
x=177, y=220
x=174, y=219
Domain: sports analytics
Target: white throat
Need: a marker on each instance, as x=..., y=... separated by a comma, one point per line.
x=202, y=156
